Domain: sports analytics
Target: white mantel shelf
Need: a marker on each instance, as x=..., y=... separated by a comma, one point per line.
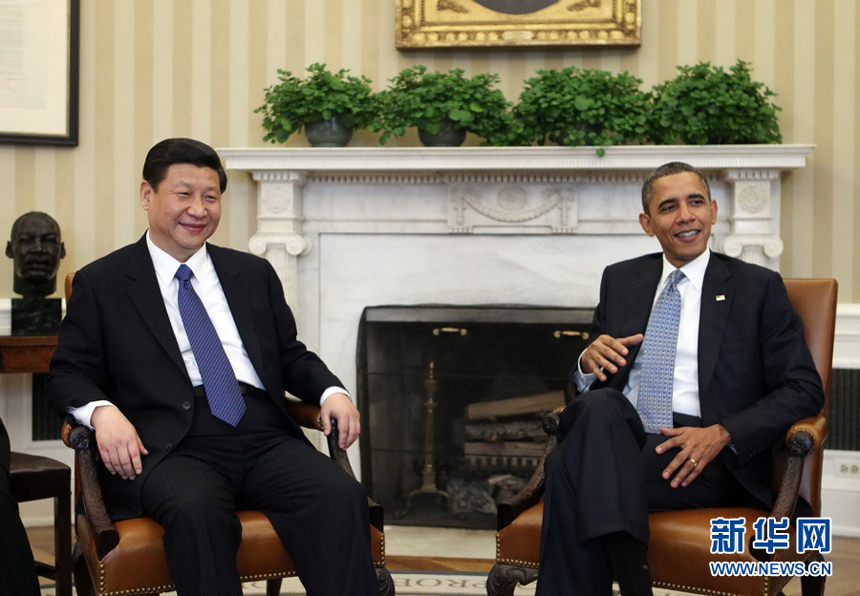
x=523, y=159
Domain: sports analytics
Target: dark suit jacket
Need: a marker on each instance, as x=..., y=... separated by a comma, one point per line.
x=756, y=376
x=116, y=343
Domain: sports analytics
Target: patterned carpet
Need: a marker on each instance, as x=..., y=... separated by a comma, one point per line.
x=424, y=583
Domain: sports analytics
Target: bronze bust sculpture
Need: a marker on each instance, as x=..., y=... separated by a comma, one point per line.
x=36, y=247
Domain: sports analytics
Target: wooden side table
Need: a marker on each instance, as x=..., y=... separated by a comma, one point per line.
x=26, y=354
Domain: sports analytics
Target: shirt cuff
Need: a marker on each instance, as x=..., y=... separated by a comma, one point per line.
x=84, y=414
x=583, y=381
x=332, y=391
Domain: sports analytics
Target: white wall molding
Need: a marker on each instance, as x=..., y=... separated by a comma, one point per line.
x=846, y=351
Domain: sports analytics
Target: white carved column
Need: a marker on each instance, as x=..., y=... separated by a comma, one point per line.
x=754, y=235
x=279, y=236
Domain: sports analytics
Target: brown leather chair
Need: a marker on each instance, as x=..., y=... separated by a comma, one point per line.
x=33, y=477
x=679, y=550
x=127, y=557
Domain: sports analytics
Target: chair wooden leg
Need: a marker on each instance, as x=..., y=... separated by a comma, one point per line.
x=386, y=584
x=503, y=579
x=63, y=544
x=813, y=586
x=273, y=586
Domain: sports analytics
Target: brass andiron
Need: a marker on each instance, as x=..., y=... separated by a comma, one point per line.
x=428, y=474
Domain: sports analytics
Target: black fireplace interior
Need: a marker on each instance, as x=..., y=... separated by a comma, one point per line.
x=479, y=379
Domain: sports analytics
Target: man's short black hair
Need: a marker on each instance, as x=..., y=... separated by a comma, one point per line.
x=180, y=151
x=670, y=169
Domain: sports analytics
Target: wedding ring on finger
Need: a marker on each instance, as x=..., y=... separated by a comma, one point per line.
x=694, y=462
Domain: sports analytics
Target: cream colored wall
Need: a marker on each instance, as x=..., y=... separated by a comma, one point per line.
x=157, y=68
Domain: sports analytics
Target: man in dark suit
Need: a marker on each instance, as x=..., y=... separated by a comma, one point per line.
x=178, y=353
x=737, y=374
x=17, y=568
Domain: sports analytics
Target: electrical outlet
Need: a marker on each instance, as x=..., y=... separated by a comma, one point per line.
x=847, y=468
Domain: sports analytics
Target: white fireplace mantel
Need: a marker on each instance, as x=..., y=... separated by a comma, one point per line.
x=500, y=190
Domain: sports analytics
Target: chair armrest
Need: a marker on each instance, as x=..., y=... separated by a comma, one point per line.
x=83, y=441
x=308, y=416
x=807, y=435
x=804, y=437
x=532, y=492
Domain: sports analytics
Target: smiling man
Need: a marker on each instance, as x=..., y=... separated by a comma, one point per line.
x=177, y=353
x=697, y=367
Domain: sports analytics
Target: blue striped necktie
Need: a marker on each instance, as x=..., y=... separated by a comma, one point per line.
x=654, y=401
x=219, y=381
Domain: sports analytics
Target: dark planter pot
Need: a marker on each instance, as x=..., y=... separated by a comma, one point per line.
x=448, y=136
x=328, y=133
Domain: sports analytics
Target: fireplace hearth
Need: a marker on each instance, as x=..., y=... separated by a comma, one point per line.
x=452, y=399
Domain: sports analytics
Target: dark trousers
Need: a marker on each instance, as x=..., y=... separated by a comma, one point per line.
x=604, y=477
x=17, y=569
x=319, y=512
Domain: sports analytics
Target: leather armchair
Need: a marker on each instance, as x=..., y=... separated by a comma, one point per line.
x=679, y=550
x=127, y=557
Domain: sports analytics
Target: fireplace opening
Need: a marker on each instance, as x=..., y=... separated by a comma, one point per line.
x=452, y=399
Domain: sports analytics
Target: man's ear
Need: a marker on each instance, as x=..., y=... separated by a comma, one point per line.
x=62, y=250
x=713, y=212
x=145, y=195
x=645, y=222
x=9, y=252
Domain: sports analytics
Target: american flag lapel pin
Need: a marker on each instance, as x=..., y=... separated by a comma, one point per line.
x=721, y=297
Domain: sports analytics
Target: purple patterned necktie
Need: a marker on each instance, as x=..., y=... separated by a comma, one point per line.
x=654, y=402
x=219, y=381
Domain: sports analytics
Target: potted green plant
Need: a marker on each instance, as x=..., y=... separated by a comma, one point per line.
x=449, y=102
x=707, y=105
x=582, y=107
x=325, y=102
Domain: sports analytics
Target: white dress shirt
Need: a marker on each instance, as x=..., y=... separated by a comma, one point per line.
x=208, y=287
x=685, y=389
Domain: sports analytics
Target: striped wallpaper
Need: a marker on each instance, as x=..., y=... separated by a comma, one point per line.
x=157, y=68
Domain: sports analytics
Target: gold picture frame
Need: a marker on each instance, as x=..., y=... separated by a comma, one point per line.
x=423, y=24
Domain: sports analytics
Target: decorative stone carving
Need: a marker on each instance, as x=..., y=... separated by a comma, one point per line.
x=279, y=235
x=753, y=199
x=753, y=248
x=511, y=209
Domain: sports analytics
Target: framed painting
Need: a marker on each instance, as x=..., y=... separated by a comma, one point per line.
x=424, y=24
x=39, y=54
